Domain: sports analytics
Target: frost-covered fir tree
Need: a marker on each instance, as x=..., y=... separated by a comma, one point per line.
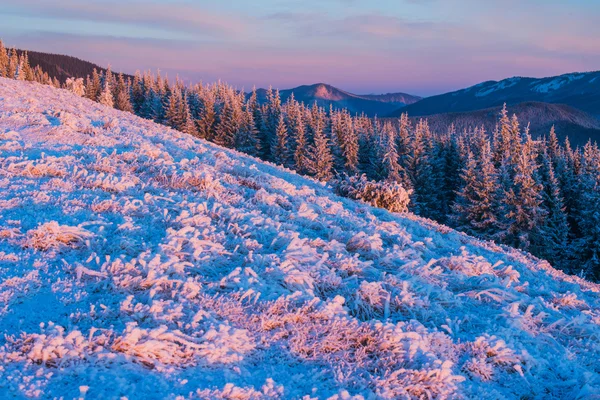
x=122, y=95
x=4, y=60
x=189, y=123
x=106, y=96
x=280, y=150
x=321, y=159
x=552, y=243
x=175, y=112
x=405, y=150
x=208, y=114
x=348, y=142
x=94, y=86
x=301, y=160
x=13, y=65
x=225, y=132
x=247, y=139
x=474, y=208
x=586, y=212
x=76, y=86
x=389, y=153
x=524, y=215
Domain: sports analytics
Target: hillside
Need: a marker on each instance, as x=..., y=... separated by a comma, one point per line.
x=326, y=95
x=60, y=66
x=139, y=261
x=579, y=126
x=578, y=90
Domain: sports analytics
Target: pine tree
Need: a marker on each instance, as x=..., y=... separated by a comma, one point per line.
x=524, y=216
x=122, y=96
x=405, y=151
x=226, y=130
x=4, y=60
x=389, y=153
x=586, y=212
x=321, y=159
x=189, y=124
x=247, y=139
x=13, y=65
x=301, y=159
x=503, y=138
x=474, y=209
x=137, y=93
x=208, y=116
x=348, y=143
x=106, y=97
x=94, y=86
x=553, y=239
x=24, y=71
x=280, y=151
x=174, y=115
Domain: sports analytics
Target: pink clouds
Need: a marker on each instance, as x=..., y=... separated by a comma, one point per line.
x=178, y=16
x=419, y=46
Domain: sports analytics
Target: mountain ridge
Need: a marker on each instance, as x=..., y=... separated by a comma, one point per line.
x=580, y=90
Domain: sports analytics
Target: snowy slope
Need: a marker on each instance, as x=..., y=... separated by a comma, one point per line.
x=137, y=261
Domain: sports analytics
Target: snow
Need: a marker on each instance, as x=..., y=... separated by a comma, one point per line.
x=555, y=83
x=504, y=84
x=138, y=262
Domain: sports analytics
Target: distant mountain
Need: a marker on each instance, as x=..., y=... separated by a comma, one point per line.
x=578, y=125
x=326, y=95
x=398, y=98
x=60, y=66
x=578, y=90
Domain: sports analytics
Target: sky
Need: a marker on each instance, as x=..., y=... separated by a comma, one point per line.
x=422, y=47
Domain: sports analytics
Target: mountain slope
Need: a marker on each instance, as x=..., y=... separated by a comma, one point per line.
x=62, y=67
x=135, y=255
x=326, y=95
x=578, y=90
x=579, y=126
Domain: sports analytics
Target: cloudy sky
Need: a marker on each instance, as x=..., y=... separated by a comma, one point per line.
x=417, y=46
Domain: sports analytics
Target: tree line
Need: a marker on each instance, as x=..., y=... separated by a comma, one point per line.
x=536, y=194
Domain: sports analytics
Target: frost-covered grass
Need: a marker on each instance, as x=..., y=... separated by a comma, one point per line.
x=137, y=261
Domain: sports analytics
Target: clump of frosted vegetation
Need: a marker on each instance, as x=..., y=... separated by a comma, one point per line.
x=173, y=268
x=52, y=236
x=385, y=194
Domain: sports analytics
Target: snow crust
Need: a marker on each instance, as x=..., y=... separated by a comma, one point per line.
x=138, y=262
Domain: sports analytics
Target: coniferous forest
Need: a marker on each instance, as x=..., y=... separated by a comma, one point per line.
x=536, y=194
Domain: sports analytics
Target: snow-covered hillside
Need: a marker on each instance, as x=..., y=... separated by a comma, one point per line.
x=137, y=261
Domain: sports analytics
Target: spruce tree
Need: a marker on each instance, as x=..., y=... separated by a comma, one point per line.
x=226, y=130
x=106, y=97
x=94, y=86
x=247, y=139
x=524, y=216
x=280, y=151
x=321, y=159
x=553, y=239
x=122, y=96
x=474, y=208
x=13, y=65
x=4, y=60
